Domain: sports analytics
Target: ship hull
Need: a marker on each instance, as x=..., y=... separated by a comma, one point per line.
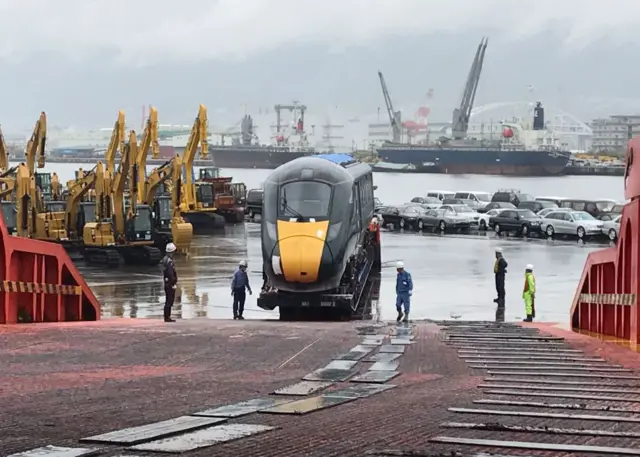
x=268, y=158
x=476, y=161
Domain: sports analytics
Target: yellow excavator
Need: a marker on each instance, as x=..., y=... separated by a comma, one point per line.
x=168, y=222
x=116, y=143
x=25, y=187
x=119, y=230
x=149, y=140
x=198, y=200
x=4, y=154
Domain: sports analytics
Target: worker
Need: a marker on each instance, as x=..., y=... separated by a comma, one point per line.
x=529, y=293
x=239, y=285
x=170, y=280
x=404, y=290
x=500, y=271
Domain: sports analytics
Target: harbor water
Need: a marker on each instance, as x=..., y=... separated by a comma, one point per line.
x=453, y=274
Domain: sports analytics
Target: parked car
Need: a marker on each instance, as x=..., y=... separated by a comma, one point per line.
x=483, y=219
x=402, y=216
x=377, y=204
x=611, y=228
x=496, y=205
x=522, y=221
x=254, y=202
x=444, y=219
x=579, y=223
x=511, y=196
x=440, y=194
x=427, y=202
x=473, y=198
x=556, y=200
x=452, y=201
x=464, y=210
x=614, y=212
x=544, y=212
x=537, y=205
x=594, y=207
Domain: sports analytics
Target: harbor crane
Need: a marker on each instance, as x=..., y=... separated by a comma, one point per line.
x=394, y=116
x=461, y=115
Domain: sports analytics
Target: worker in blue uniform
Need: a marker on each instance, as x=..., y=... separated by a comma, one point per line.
x=239, y=286
x=404, y=290
x=170, y=278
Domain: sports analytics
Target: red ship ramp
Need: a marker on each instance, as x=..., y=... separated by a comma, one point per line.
x=40, y=283
x=606, y=300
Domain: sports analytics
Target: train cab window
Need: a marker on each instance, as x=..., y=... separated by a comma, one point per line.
x=309, y=199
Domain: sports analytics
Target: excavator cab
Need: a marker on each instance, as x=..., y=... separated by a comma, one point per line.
x=43, y=182
x=239, y=192
x=204, y=195
x=162, y=212
x=209, y=173
x=52, y=206
x=86, y=213
x=10, y=215
x=140, y=227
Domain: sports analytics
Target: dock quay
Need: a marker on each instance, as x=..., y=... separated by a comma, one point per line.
x=264, y=388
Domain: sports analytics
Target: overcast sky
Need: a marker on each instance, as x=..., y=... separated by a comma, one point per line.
x=82, y=60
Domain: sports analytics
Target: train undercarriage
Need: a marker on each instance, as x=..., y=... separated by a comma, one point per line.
x=348, y=301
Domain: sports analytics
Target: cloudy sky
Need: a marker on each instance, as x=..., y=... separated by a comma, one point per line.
x=82, y=60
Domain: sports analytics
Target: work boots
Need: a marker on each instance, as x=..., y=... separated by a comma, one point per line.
x=500, y=310
x=168, y=319
x=529, y=318
x=400, y=316
x=406, y=318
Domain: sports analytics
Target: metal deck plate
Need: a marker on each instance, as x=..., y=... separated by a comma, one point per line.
x=537, y=446
x=57, y=451
x=404, y=341
x=356, y=353
x=324, y=374
x=383, y=357
x=559, y=388
x=243, y=408
x=203, y=438
x=549, y=366
x=372, y=341
x=506, y=336
x=513, y=350
x=573, y=382
x=392, y=348
x=149, y=432
x=360, y=390
x=584, y=417
x=340, y=365
x=385, y=366
x=487, y=358
x=303, y=388
x=308, y=405
x=403, y=331
x=546, y=430
x=548, y=374
x=570, y=406
x=515, y=393
x=376, y=376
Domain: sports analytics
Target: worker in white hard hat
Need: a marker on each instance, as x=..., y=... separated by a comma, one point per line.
x=404, y=290
x=239, y=286
x=500, y=272
x=529, y=293
x=170, y=280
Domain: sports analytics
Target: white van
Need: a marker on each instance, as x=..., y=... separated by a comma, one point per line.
x=440, y=194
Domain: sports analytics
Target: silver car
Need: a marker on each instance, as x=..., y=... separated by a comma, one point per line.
x=612, y=228
x=545, y=211
x=463, y=211
x=579, y=223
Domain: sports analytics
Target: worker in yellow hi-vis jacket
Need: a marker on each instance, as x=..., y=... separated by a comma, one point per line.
x=529, y=294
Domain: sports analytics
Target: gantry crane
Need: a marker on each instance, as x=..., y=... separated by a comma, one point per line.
x=462, y=115
x=395, y=117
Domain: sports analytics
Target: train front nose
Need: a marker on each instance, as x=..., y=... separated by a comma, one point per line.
x=303, y=250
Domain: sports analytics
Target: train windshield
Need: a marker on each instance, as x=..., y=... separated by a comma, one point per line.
x=308, y=199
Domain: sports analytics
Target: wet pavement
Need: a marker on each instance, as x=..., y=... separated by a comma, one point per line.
x=453, y=277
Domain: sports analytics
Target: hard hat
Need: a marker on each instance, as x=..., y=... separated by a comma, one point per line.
x=529, y=267
x=499, y=250
x=374, y=220
x=400, y=265
x=243, y=263
x=170, y=247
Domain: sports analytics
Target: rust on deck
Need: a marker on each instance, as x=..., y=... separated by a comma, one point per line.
x=68, y=382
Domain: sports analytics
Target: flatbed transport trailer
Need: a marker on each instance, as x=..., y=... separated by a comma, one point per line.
x=318, y=252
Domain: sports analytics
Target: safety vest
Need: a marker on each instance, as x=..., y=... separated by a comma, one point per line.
x=529, y=283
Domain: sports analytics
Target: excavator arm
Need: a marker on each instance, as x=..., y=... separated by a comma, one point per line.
x=198, y=136
x=118, y=187
x=25, y=196
x=76, y=192
x=36, y=145
x=115, y=143
x=4, y=153
x=102, y=185
x=149, y=140
x=157, y=177
x=181, y=231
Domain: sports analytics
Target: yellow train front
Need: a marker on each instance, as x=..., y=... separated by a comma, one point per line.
x=315, y=246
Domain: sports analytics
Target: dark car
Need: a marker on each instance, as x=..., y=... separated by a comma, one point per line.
x=612, y=213
x=511, y=196
x=496, y=205
x=377, y=204
x=402, y=216
x=453, y=201
x=254, y=202
x=522, y=221
x=596, y=208
x=536, y=205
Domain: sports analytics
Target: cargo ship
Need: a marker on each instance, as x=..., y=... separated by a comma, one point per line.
x=521, y=151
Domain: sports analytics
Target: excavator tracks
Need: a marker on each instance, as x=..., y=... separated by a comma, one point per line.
x=108, y=257
x=142, y=255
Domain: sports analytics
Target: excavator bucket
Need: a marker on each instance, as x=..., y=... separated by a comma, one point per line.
x=181, y=233
x=39, y=283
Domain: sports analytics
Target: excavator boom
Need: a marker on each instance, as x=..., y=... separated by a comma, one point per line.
x=149, y=140
x=115, y=143
x=198, y=136
x=36, y=144
x=4, y=153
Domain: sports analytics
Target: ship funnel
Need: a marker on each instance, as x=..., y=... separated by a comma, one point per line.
x=538, y=117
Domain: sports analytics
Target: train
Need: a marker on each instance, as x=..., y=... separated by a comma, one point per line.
x=316, y=247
